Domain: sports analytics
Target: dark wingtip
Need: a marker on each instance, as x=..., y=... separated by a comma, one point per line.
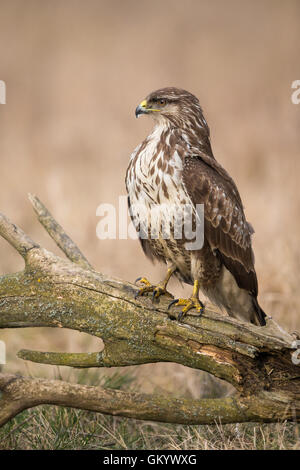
x=260, y=316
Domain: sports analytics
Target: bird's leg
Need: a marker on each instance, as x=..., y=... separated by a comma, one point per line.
x=160, y=289
x=192, y=302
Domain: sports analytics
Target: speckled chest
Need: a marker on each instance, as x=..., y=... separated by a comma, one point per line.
x=154, y=174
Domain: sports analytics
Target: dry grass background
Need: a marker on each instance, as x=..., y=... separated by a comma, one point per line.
x=75, y=72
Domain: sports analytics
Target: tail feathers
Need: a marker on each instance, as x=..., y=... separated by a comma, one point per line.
x=259, y=317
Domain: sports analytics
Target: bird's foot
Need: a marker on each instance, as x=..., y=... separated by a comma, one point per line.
x=157, y=291
x=192, y=302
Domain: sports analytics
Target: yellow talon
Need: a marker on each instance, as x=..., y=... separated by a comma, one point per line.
x=143, y=280
x=147, y=286
x=158, y=290
x=192, y=302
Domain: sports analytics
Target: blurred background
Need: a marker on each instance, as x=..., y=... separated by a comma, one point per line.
x=75, y=71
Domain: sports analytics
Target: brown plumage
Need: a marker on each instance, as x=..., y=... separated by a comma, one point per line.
x=175, y=166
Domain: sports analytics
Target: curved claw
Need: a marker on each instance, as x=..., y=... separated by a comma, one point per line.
x=157, y=291
x=143, y=280
x=160, y=290
x=143, y=290
x=189, y=304
x=172, y=303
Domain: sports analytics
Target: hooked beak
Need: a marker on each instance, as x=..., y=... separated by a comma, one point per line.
x=141, y=109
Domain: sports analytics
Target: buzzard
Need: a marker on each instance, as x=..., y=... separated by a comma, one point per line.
x=175, y=166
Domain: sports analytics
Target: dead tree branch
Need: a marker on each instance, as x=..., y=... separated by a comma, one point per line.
x=56, y=292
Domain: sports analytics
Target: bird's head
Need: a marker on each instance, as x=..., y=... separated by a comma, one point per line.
x=171, y=103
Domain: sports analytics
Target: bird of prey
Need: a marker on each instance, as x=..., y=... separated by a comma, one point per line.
x=175, y=166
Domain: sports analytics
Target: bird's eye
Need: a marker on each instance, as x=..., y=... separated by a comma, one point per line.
x=162, y=102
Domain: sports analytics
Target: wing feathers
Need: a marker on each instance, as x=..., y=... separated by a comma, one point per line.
x=226, y=228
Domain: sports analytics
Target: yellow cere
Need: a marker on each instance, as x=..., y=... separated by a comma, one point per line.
x=144, y=104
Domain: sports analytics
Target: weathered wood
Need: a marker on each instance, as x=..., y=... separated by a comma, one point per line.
x=56, y=292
